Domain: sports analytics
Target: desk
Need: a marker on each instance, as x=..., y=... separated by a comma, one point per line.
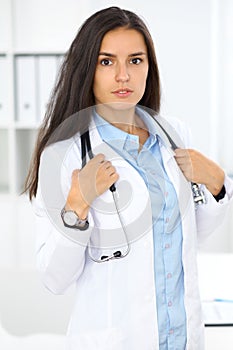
x=216, y=283
x=218, y=338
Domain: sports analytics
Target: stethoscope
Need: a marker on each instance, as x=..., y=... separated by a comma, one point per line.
x=118, y=254
x=198, y=194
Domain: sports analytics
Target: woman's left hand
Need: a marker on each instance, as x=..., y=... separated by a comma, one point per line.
x=200, y=169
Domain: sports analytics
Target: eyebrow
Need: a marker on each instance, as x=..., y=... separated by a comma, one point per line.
x=140, y=53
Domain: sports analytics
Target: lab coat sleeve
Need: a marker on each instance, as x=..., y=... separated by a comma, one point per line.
x=208, y=216
x=60, y=251
x=212, y=214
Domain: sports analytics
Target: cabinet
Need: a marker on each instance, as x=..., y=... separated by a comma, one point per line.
x=27, y=75
x=33, y=77
x=33, y=39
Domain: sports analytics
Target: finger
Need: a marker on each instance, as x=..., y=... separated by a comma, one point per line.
x=183, y=161
x=74, y=176
x=105, y=164
x=98, y=158
x=111, y=170
x=114, y=177
x=181, y=153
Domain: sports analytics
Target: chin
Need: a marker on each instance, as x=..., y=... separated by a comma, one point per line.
x=117, y=106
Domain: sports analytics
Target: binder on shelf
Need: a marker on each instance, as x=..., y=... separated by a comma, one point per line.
x=25, y=70
x=60, y=59
x=4, y=81
x=24, y=145
x=47, y=71
x=4, y=161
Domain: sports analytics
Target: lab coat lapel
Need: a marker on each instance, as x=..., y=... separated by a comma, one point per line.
x=133, y=196
x=181, y=185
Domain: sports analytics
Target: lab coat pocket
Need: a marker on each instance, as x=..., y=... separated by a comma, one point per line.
x=109, y=339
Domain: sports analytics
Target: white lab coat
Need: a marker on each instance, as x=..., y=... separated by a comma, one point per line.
x=115, y=306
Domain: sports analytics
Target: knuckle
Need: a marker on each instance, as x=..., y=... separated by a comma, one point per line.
x=98, y=159
x=192, y=152
x=75, y=173
x=100, y=156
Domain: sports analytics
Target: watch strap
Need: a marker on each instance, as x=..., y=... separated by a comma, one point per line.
x=80, y=224
x=221, y=194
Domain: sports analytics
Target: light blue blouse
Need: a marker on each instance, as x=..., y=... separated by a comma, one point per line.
x=167, y=229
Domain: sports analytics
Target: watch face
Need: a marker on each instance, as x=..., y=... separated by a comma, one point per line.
x=70, y=218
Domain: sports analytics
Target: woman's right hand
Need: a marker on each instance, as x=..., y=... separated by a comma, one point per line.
x=90, y=182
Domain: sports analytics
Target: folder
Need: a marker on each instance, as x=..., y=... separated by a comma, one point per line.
x=47, y=71
x=25, y=89
x=4, y=88
x=60, y=59
x=4, y=160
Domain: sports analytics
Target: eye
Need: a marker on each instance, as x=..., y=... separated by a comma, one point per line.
x=136, y=60
x=106, y=62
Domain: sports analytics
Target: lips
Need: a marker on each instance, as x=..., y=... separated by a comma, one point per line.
x=123, y=92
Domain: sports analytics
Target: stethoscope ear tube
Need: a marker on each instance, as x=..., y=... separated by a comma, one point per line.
x=86, y=147
x=198, y=194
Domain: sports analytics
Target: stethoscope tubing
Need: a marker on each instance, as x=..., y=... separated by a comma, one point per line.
x=86, y=149
x=198, y=194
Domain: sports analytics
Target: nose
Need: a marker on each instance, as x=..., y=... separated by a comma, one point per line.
x=122, y=74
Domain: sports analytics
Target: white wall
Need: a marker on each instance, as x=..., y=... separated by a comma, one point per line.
x=226, y=85
x=46, y=26
x=5, y=25
x=193, y=44
x=185, y=41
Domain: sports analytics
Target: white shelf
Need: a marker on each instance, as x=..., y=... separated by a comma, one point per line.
x=24, y=144
x=4, y=161
x=30, y=81
x=18, y=128
x=29, y=62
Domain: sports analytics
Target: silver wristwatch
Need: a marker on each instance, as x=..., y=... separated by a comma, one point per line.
x=70, y=219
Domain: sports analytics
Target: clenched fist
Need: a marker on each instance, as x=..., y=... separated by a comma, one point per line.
x=90, y=182
x=198, y=168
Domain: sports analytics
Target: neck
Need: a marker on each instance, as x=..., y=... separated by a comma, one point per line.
x=121, y=116
x=130, y=128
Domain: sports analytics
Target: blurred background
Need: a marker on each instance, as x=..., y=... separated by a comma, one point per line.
x=194, y=46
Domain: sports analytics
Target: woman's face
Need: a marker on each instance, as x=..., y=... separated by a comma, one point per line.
x=122, y=68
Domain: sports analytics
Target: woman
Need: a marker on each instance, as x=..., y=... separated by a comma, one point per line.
x=132, y=250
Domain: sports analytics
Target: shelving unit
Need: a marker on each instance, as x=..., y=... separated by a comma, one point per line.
x=33, y=39
x=19, y=124
x=4, y=161
x=18, y=130
x=31, y=81
x=29, y=62
x=6, y=101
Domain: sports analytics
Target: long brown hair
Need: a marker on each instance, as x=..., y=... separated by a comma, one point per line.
x=73, y=91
